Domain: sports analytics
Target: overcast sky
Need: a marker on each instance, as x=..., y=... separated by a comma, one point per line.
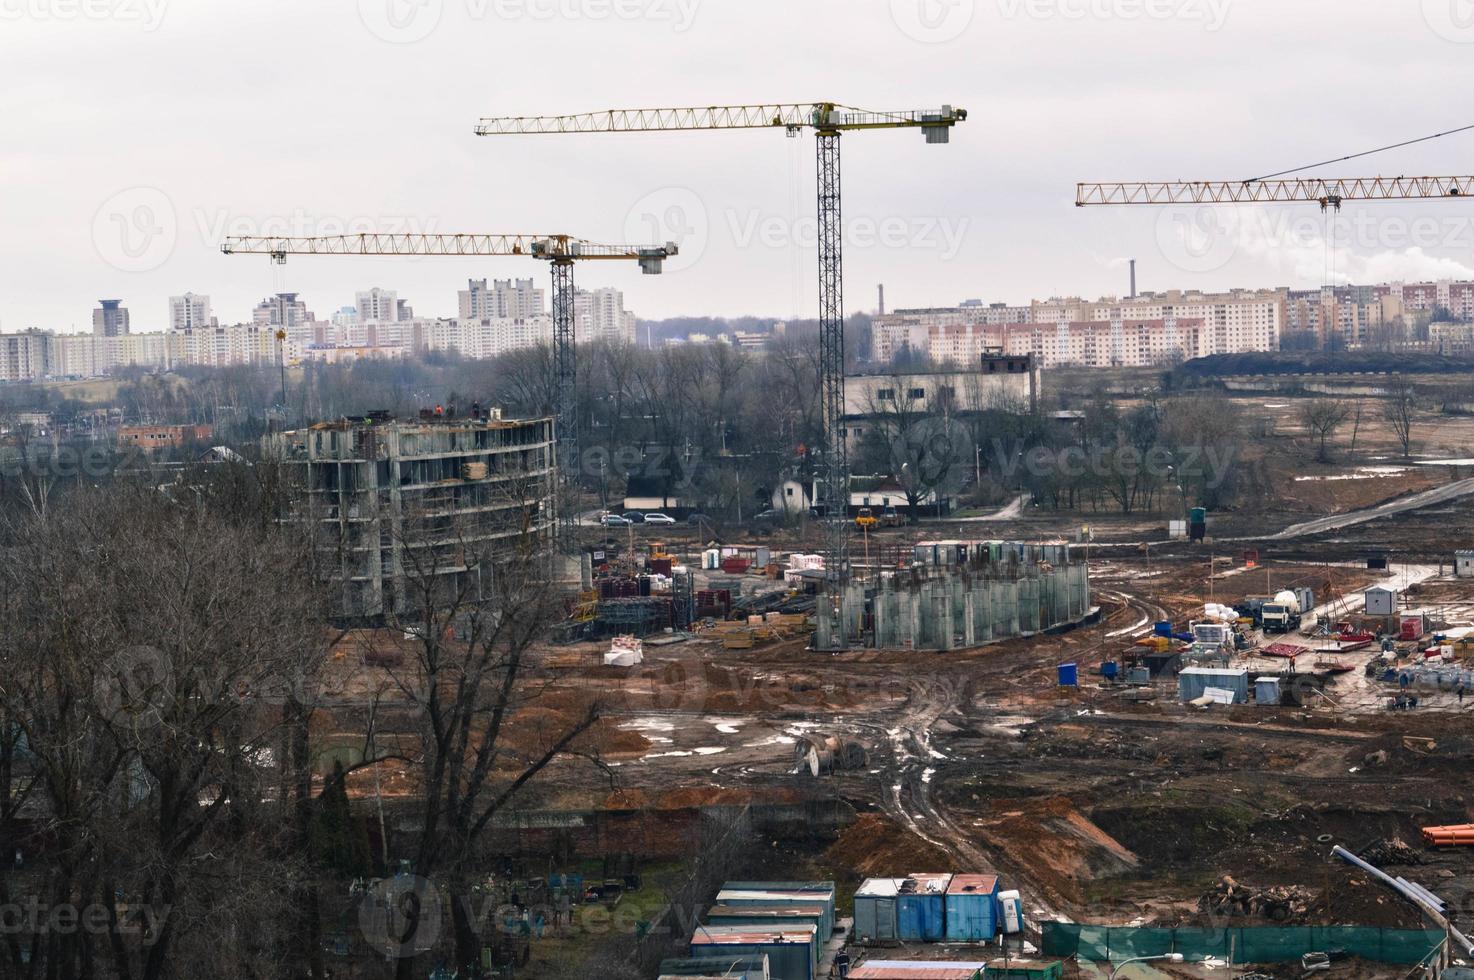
x=137, y=133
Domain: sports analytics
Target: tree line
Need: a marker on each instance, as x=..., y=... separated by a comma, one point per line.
x=168, y=709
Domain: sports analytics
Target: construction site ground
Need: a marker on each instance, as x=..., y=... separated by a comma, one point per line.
x=1100, y=803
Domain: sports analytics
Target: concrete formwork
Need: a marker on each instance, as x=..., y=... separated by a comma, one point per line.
x=946, y=608
x=952, y=607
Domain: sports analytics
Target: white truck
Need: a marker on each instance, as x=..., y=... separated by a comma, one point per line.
x=1282, y=613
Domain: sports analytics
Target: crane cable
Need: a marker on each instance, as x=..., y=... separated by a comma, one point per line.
x=1363, y=153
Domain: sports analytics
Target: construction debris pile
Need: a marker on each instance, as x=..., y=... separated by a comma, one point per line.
x=1285, y=903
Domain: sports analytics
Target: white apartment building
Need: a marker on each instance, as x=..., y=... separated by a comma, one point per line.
x=377, y=305
x=25, y=356
x=1151, y=329
x=517, y=299
x=482, y=338
x=240, y=343
x=600, y=315
x=190, y=312
x=281, y=310
x=90, y=355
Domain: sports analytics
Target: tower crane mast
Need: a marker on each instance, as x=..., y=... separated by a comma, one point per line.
x=828, y=120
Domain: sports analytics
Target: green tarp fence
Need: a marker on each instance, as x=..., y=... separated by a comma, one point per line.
x=1258, y=944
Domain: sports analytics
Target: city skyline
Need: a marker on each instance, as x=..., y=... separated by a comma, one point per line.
x=160, y=199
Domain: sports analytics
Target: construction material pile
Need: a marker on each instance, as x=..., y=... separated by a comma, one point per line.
x=1285, y=903
x=1453, y=835
x=1219, y=613
x=1391, y=851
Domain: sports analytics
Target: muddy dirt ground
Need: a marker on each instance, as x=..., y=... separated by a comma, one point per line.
x=1100, y=807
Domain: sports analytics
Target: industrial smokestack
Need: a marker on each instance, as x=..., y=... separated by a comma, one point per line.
x=1133, y=278
x=882, y=299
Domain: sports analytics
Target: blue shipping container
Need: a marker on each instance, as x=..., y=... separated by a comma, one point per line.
x=972, y=908
x=921, y=908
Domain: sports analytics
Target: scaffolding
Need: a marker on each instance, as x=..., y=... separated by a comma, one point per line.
x=634, y=617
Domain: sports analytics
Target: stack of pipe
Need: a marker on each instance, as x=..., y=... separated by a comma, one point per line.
x=1450, y=836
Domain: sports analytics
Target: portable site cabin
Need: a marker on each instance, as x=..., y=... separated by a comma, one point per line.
x=738, y=915
x=918, y=970
x=792, y=951
x=782, y=894
x=1267, y=690
x=921, y=907
x=1380, y=601
x=875, y=910
x=972, y=908
x=1193, y=682
x=1464, y=564
x=742, y=968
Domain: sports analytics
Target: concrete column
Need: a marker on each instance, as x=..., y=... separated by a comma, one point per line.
x=969, y=624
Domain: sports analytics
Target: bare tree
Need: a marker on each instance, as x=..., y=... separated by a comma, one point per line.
x=1398, y=410
x=913, y=438
x=472, y=614
x=1321, y=418
x=143, y=636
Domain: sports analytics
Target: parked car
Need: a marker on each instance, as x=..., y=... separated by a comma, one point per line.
x=768, y=516
x=659, y=519
x=634, y=517
x=696, y=520
x=614, y=520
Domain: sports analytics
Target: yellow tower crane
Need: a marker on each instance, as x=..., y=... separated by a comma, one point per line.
x=828, y=120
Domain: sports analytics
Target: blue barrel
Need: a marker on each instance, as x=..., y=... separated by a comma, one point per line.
x=1162, y=629
x=1109, y=670
x=1069, y=675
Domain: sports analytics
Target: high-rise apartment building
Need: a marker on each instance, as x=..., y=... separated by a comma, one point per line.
x=190, y=312
x=600, y=315
x=378, y=306
x=25, y=356
x=281, y=310
x=513, y=298
x=110, y=319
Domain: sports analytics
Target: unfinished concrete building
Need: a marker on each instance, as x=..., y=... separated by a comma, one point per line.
x=959, y=594
x=437, y=496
